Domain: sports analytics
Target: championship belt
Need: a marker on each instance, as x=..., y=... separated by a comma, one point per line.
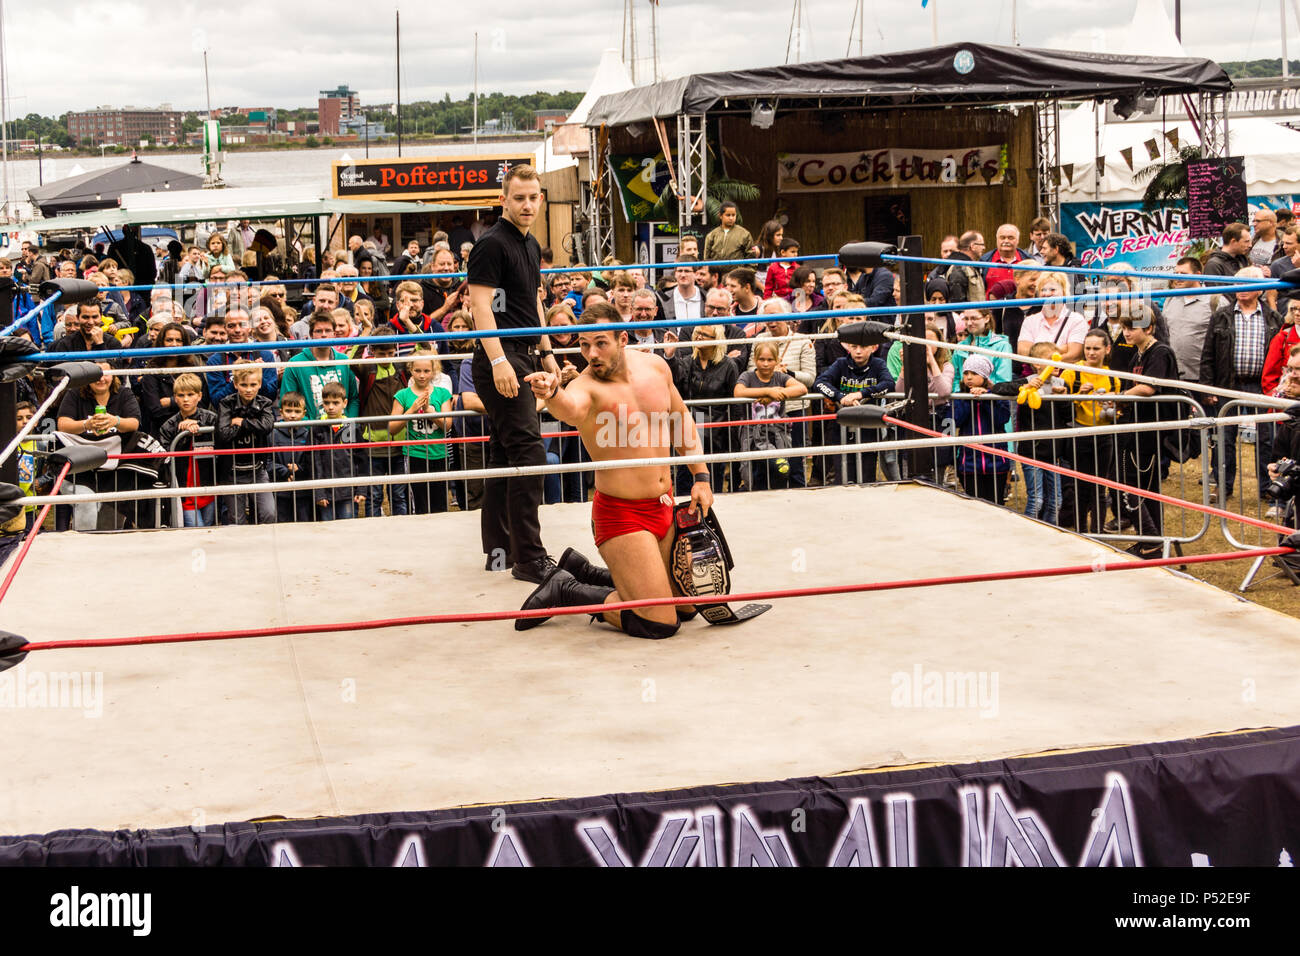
x=701, y=565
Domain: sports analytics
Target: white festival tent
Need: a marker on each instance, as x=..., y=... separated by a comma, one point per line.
x=1272, y=151
x=611, y=77
x=1272, y=154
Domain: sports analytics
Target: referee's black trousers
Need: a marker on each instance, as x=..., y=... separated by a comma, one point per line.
x=511, y=531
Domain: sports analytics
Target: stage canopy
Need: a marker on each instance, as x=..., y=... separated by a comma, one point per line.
x=956, y=73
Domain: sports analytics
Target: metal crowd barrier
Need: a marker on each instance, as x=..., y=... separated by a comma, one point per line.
x=1245, y=453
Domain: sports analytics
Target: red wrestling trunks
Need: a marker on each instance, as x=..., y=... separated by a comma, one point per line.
x=612, y=517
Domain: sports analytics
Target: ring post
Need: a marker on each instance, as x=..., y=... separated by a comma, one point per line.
x=914, y=365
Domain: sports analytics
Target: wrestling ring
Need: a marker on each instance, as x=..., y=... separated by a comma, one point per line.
x=965, y=686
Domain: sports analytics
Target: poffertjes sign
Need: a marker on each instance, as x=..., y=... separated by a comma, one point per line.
x=430, y=178
x=894, y=168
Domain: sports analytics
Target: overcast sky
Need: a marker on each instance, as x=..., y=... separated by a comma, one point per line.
x=77, y=54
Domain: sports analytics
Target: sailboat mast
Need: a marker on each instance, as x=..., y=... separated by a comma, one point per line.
x=4, y=115
x=398, y=15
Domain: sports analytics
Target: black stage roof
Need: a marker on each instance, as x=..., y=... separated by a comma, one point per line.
x=967, y=74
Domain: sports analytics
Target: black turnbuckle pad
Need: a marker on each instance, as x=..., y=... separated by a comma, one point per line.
x=864, y=333
x=865, y=255
x=11, y=650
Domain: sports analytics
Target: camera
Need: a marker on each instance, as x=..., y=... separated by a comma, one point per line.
x=1284, y=485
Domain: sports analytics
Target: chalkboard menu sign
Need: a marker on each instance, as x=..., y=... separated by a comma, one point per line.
x=1216, y=195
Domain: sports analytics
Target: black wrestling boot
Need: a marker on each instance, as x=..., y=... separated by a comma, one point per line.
x=534, y=572
x=586, y=572
x=559, y=589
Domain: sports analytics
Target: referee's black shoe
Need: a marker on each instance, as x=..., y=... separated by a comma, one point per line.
x=534, y=571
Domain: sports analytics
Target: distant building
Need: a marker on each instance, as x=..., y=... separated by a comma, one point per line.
x=543, y=119
x=126, y=126
x=334, y=107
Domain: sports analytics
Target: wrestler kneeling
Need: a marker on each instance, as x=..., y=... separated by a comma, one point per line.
x=624, y=405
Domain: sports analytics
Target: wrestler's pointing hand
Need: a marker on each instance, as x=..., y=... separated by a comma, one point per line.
x=544, y=384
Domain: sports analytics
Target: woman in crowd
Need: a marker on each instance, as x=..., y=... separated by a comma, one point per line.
x=939, y=373
x=156, y=404
x=307, y=268
x=701, y=374
x=105, y=411
x=804, y=296
x=767, y=247
x=378, y=291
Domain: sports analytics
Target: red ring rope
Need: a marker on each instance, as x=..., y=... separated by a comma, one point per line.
x=1106, y=482
x=483, y=616
x=31, y=535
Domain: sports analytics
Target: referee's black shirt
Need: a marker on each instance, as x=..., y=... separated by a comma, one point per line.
x=506, y=259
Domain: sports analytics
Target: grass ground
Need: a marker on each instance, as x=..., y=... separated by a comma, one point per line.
x=1185, y=482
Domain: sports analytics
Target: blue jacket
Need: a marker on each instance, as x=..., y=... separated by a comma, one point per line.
x=219, y=385
x=844, y=377
x=976, y=417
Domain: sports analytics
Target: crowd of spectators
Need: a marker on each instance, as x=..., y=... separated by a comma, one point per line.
x=748, y=376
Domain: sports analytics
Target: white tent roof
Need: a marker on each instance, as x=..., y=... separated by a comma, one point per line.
x=611, y=77
x=1147, y=33
x=1272, y=154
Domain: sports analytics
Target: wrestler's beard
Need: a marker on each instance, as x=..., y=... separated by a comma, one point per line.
x=608, y=371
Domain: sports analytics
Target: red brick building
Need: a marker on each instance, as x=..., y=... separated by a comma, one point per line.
x=335, y=106
x=126, y=126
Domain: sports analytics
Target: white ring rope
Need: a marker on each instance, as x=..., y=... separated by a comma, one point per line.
x=35, y=420
x=522, y=471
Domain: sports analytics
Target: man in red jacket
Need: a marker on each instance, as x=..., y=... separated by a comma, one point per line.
x=1008, y=251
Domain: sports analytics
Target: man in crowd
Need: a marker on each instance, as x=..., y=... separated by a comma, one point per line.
x=622, y=287
x=84, y=332
x=1288, y=259
x=1233, y=357
x=1039, y=230
x=220, y=384
x=1007, y=251
x=683, y=301
x=966, y=283
x=1233, y=255
x=325, y=299
x=439, y=291
x=1265, y=248
x=947, y=246
x=740, y=283
x=311, y=368
x=1188, y=319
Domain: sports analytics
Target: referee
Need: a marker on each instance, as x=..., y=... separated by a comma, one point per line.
x=504, y=275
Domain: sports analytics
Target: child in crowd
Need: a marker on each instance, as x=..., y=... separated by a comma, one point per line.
x=245, y=419
x=779, y=274
x=26, y=460
x=1042, y=487
x=769, y=388
x=376, y=386
x=982, y=474
x=1083, y=505
x=341, y=502
x=853, y=380
x=199, y=470
x=290, y=464
x=424, y=395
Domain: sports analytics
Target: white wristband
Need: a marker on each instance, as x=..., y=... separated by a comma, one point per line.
x=498, y=360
